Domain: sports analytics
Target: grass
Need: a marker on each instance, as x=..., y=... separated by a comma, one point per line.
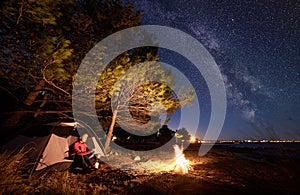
x=13, y=178
x=219, y=171
x=16, y=178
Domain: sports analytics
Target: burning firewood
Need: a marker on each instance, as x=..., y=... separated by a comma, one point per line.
x=182, y=165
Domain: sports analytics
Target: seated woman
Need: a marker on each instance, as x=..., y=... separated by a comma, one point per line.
x=82, y=154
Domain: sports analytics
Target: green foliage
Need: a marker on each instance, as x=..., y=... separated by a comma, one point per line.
x=145, y=89
x=33, y=42
x=47, y=40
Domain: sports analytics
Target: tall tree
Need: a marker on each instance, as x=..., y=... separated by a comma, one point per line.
x=33, y=54
x=43, y=43
x=135, y=95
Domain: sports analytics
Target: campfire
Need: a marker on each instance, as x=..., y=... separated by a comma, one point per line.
x=156, y=162
x=182, y=165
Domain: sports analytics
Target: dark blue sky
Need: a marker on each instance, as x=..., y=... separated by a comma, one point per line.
x=256, y=45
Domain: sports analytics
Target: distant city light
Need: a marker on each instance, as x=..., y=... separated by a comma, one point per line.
x=193, y=139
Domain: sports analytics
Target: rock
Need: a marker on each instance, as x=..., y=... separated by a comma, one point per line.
x=137, y=158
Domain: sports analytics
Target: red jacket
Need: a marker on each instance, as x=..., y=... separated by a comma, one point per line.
x=81, y=149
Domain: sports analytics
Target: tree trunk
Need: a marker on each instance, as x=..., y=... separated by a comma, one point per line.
x=110, y=130
x=42, y=105
x=15, y=118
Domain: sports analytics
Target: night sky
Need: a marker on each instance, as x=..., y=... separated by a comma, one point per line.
x=256, y=45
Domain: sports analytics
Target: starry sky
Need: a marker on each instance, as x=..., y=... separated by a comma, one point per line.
x=256, y=45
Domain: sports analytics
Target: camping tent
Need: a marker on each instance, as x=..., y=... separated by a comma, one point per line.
x=49, y=143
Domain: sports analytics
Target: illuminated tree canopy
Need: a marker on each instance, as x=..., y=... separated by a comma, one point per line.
x=43, y=44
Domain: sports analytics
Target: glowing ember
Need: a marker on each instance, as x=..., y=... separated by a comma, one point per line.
x=182, y=165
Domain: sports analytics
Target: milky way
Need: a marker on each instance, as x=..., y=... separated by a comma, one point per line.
x=257, y=48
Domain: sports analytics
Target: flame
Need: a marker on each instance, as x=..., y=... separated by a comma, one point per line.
x=182, y=164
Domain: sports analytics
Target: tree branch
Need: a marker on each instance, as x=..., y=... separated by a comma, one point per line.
x=12, y=95
x=20, y=12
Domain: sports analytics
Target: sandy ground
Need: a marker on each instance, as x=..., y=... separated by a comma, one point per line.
x=224, y=170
